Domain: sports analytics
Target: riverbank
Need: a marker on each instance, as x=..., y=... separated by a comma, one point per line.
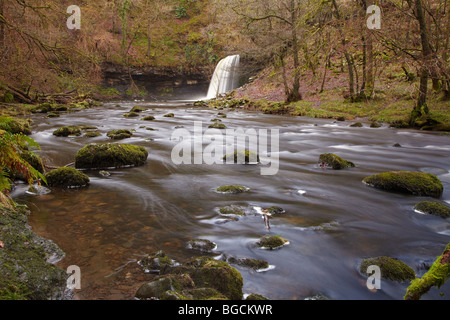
x=27, y=268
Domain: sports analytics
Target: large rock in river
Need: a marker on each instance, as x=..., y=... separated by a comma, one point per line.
x=410, y=182
x=110, y=155
x=66, y=177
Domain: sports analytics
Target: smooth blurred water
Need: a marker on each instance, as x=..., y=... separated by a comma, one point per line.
x=332, y=220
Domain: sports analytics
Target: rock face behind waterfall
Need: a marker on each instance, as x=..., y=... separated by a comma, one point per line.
x=225, y=77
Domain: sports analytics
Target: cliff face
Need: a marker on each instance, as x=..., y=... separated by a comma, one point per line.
x=156, y=82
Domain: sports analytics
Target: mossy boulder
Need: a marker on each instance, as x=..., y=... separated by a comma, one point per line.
x=217, y=125
x=375, y=124
x=164, y=287
x=330, y=160
x=137, y=109
x=67, y=131
x=433, y=208
x=356, y=125
x=169, y=115
x=203, y=245
x=110, y=155
x=119, y=134
x=255, y=296
x=409, y=182
x=53, y=115
x=242, y=156
x=15, y=125
x=66, y=177
x=219, y=275
x=231, y=189
x=271, y=242
x=148, y=118
x=42, y=108
x=391, y=268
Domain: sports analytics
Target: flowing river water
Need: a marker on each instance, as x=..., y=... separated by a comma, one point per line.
x=331, y=220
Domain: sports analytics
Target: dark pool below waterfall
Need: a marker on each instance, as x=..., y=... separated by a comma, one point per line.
x=331, y=220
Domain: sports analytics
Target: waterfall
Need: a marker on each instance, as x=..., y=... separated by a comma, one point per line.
x=225, y=77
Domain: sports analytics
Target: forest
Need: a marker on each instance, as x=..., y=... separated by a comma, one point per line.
x=342, y=61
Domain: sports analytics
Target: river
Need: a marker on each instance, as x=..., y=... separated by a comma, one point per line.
x=331, y=220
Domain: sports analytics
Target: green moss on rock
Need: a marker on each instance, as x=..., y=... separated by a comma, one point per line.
x=391, y=268
x=137, y=109
x=169, y=115
x=409, y=182
x=271, y=242
x=119, y=134
x=330, y=160
x=66, y=177
x=148, y=118
x=433, y=208
x=67, y=131
x=110, y=155
x=231, y=189
x=436, y=276
x=356, y=125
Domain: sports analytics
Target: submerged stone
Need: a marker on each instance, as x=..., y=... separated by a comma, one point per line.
x=67, y=131
x=271, y=242
x=255, y=264
x=119, y=134
x=357, y=125
x=433, y=208
x=391, y=268
x=131, y=115
x=217, y=125
x=156, y=261
x=231, y=189
x=409, y=182
x=110, y=155
x=66, y=177
x=242, y=156
x=92, y=134
x=330, y=160
x=232, y=210
x=203, y=245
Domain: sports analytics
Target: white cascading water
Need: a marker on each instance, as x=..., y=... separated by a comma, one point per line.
x=225, y=77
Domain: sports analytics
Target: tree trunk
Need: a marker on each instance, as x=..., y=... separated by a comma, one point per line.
x=295, y=94
x=421, y=109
